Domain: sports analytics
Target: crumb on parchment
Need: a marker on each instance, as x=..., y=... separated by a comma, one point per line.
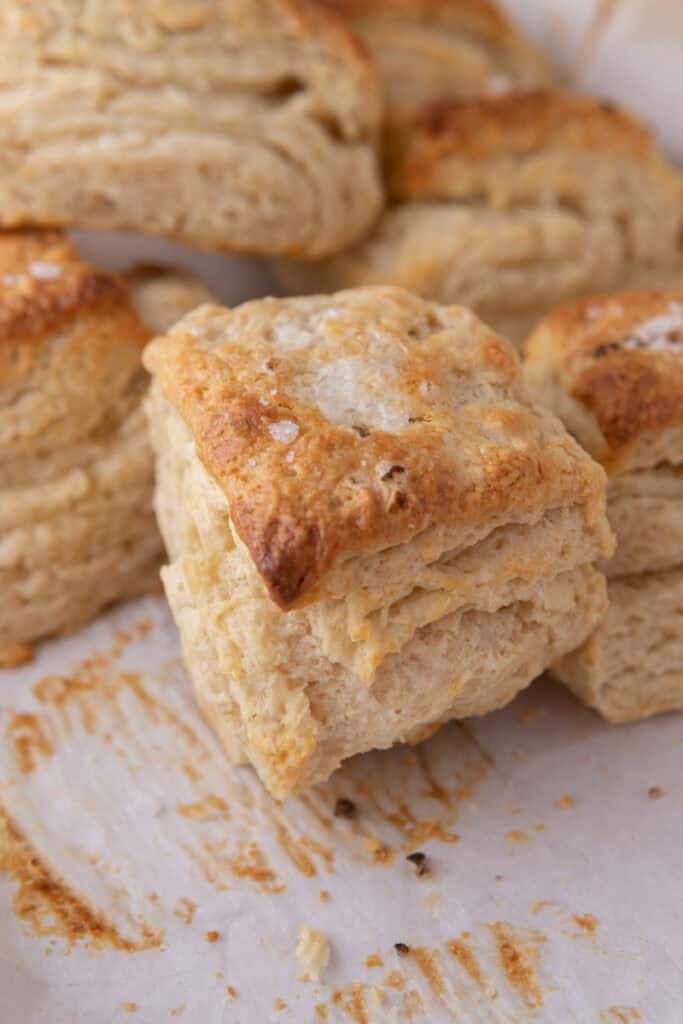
x=312, y=951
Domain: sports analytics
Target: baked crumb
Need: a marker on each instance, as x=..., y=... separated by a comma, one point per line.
x=212, y=936
x=419, y=862
x=344, y=808
x=312, y=951
x=655, y=793
x=401, y=948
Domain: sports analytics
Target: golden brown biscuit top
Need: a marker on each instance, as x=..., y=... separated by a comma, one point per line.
x=44, y=283
x=343, y=423
x=61, y=316
x=621, y=357
x=506, y=125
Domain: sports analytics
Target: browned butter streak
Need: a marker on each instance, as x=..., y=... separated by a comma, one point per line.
x=351, y=1000
x=461, y=949
x=49, y=908
x=25, y=733
x=519, y=958
x=428, y=962
x=208, y=808
x=586, y=922
x=620, y=1015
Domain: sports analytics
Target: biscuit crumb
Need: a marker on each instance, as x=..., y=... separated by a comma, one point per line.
x=345, y=808
x=655, y=793
x=212, y=936
x=324, y=896
x=231, y=991
x=566, y=802
x=419, y=862
x=401, y=948
x=312, y=951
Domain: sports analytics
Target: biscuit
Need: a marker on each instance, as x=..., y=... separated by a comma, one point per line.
x=429, y=50
x=512, y=204
x=163, y=295
x=77, y=528
x=612, y=368
x=632, y=665
x=236, y=125
x=371, y=530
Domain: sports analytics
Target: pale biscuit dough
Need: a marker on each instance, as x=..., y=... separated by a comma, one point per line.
x=239, y=125
x=438, y=49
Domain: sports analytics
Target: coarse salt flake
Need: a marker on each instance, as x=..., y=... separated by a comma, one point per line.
x=284, y=430
x=659, y=334
x=44, y=271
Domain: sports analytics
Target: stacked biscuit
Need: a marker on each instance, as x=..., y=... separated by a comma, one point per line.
x=612, y=368
x=371, y=529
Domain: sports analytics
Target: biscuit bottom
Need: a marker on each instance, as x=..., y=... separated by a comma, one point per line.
x=79, y=540
x=632, y=665
x=277, y=701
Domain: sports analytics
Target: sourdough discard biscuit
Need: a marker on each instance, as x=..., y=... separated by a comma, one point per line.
x=371, y=530
x=230, y=124
x=163, y=295
x=612, y=368
x=514, y=203
x=436, y=49
x=77, y=529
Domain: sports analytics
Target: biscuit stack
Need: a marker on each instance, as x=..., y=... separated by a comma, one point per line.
x=371, y=529
x=612, y=368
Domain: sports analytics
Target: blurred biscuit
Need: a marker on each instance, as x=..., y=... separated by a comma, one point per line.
x=512, y=204
x=77, y=529
x=236, y=125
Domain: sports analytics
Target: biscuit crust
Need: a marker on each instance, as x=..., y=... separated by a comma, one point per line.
x=432, y=49
x=234, y=125
x=613, y=367
x=347, y=423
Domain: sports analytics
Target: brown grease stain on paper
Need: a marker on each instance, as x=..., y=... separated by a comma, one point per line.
x=47, y=907
x=26, y=735
x=518, y=955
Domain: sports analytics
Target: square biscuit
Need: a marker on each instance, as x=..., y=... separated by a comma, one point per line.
x=77, y=528
x=612, y=368
x=371, y=529
x=513, y=203
x=632, y=665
